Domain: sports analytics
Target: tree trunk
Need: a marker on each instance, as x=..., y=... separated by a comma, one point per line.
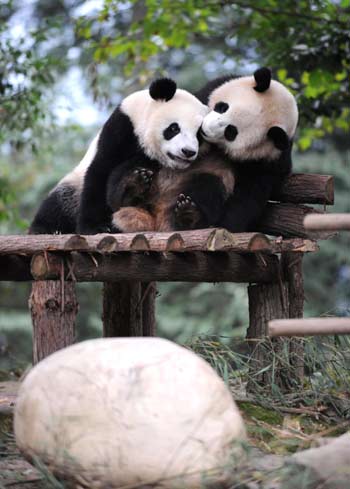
x=54, y=308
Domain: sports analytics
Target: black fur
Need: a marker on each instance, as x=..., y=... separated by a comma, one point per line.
x=127, y=187
x=279, y=137
x=208, y=194
x=263, y=79
x=117, y=145
x=255, y=181
x=162, y=89
x=57, y=213
x=204, y=93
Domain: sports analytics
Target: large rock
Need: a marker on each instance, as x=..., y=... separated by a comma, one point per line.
x=123, y=411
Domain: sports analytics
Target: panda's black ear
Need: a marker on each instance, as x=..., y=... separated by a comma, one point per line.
x=162, y=89
x=279, y=137
x=263, y=79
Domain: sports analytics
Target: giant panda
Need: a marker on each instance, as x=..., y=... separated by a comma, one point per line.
x=251, y=127
x=150, y=129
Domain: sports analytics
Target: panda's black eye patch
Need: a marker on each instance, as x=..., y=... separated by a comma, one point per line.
x=221, y=107
x=171, y=131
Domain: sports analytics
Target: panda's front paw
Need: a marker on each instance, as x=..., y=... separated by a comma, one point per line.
x=138, y=186
x=187, y=214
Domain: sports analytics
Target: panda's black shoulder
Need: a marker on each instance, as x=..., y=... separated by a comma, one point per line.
x=204, y=93
x=118, y=133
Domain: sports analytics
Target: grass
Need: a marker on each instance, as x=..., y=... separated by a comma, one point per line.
x=280, y=417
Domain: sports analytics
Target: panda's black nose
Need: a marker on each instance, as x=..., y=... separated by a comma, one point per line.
x=188, y=152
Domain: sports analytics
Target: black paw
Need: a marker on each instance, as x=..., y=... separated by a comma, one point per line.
x=187, y=214
x=143, y=178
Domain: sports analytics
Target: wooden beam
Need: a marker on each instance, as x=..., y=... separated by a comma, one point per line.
x=309, y=326
x=184, y=241
x=328, y=222
x=307, y=188
x=170, y=267
x=287, y=220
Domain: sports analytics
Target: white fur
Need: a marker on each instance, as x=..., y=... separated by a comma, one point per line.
x=151, y=117
x=253, y=114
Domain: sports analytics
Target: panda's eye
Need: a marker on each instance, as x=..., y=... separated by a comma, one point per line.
x=221, y=107
x=171, y=131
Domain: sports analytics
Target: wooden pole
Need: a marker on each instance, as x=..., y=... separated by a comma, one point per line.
x=306, y=188
x=267, y=363
x=287, y=220
x=122, y=309
x=198, y=240
x=54, y=307
x=309, y=327
x=177, y=267
x=292, y=269
x=328, y=222
x=149, y=293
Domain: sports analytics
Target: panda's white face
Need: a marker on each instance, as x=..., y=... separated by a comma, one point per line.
x=168, y=131
x=241, y=117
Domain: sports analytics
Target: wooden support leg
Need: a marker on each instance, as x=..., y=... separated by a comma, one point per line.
x=54, y=307
x=292, y=266
x=266, y=301
x=122, y=309
x=149, y=292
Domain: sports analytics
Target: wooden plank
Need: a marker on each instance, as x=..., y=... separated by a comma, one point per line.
x=306, y=188
x=328, y=222
x=309, y=326
x=197, y=240
x=177, y=267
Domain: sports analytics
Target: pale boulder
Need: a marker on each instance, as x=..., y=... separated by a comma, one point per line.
x=129, y=411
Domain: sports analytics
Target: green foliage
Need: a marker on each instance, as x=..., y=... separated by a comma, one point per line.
x=307, y=42
x=25, y=75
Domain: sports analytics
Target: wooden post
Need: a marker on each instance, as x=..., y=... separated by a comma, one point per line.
x=292, y=267
x=122, y=309
x=54, y=307
x=149, y=293
x=267, y=366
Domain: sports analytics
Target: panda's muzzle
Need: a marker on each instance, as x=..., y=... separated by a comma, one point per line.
x=230, y=133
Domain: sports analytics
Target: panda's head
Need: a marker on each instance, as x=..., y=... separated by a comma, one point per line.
x=167, y=122
x=251, y=117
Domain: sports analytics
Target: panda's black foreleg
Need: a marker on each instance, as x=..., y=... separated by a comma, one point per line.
x=201, y=203
x=130, y=184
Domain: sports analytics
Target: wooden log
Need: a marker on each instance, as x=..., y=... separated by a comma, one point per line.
x=122, y=309
x=309, y=326
x=306, y=188
x=287, y=220
x=266, y=365
x=328, y=222
x=54, y=307
x=197, y=240
x=148, y=298
x=178, y=267
x=15, y=268
x=292, y=268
